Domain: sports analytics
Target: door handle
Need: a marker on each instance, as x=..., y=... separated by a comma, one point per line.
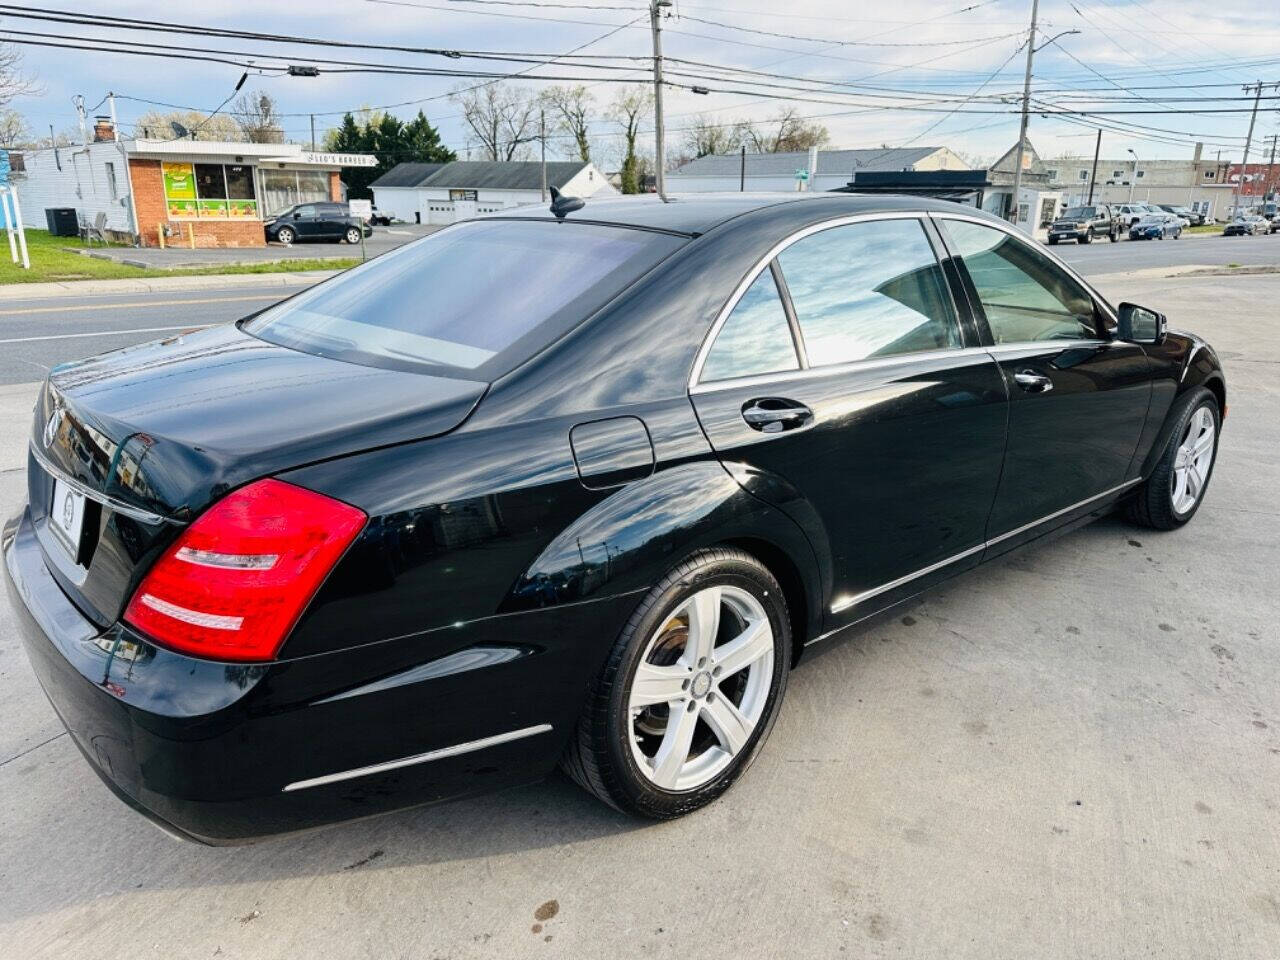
x=1033, y=382
x=774, y=414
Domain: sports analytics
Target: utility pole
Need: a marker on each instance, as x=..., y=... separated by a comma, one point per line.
x=542, y=135
x=742, y=170
x=1256, y=89
x=659, y=148
x=1093, y=177
x=313, y=133
x=1026, y=101
x=1133, y=179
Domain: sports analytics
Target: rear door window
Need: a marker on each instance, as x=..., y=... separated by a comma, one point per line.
x=474, y=299
x=866, y=290
x=755, y=339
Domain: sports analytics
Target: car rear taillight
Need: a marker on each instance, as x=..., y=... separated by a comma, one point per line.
x=235, y=582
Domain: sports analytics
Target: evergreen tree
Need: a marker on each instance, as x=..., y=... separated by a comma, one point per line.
x=388, y=139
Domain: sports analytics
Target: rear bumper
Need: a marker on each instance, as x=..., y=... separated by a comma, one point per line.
x=223, y=753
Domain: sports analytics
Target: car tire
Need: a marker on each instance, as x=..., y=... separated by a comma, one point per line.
x=1087, y=238
x=1113, y=236
x=1167, y=499
x=625, y=750
x=286, y=236
x=1053, y=241
x=352, y=235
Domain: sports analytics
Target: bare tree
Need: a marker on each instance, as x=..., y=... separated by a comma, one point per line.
x=705, y=137
x=785, y=132
x=157, y=125
x=570, y=106
x=13, y=129
x=256, y=115
x=13, y=82
x=628, y=110
x=502, y=118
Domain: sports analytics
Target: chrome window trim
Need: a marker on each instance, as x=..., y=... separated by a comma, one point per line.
x=1026, y=241
x=812, y=373
x=117, y=505
x=456, y=750
x=763, y=263
x=1044, y=346
x=844, y=603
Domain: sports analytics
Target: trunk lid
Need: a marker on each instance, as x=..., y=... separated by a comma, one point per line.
x=155, y=433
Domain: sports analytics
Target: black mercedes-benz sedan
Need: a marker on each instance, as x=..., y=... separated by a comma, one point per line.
x=571, y=490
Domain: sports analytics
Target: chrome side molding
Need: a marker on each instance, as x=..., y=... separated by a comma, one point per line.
x=453, y=751
x=844, y=603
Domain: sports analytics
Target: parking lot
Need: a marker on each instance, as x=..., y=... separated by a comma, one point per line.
x=1072, y=752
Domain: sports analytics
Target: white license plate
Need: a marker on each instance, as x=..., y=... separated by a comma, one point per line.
x=66, y=514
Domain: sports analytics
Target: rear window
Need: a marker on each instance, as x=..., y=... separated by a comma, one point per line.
x=1076, y=212
x=474, y=300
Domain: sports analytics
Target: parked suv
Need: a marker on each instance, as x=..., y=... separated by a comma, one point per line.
x=316, y=221
x=1130, y=213
x=1194, y=218
x=1083, y=224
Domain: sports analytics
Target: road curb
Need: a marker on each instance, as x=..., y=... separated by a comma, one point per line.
x=82, y=288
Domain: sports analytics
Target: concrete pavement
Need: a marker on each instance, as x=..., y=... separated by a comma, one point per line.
x=1071, y=753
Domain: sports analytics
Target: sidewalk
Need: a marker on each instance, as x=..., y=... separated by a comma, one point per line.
x=177, y=256
x=83, y=288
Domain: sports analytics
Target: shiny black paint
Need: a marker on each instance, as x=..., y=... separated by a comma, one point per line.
x=513, y=526
x=869, y=465
x=1075, y=440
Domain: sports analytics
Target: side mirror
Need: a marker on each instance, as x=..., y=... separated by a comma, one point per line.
x=1140, y=325
x=296, y=215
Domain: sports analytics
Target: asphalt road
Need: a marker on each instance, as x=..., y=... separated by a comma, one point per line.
x=36, y=335
x=1072, y=752
x=1211, y=250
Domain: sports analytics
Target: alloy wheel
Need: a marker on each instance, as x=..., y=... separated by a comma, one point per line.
x=1193, y=460
x=701, y=688
x=353, y=235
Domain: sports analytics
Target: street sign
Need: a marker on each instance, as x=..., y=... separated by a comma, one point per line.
x=361, y=208
x=802, y=174
x=4, y=167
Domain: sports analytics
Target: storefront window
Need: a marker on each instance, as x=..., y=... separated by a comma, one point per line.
x=241, y=200
x=179, y=189
x=282, y=189
x=211, y=190
x=313, y=186
x=279, y=190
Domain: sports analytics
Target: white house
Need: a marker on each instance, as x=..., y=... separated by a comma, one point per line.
x=717, y=173
x=445, y=192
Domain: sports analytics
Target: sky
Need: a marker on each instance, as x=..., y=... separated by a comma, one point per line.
x=909, y=73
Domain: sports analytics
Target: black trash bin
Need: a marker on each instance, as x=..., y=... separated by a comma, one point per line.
x=62, y=221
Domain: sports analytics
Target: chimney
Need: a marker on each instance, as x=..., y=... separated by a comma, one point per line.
x=103, y=129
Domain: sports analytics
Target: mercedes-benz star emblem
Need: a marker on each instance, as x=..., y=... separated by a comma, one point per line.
x=68, y=511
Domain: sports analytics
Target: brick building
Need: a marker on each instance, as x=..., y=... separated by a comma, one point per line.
x=200, y=193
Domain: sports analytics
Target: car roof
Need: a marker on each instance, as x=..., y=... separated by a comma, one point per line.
x=696, y=213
